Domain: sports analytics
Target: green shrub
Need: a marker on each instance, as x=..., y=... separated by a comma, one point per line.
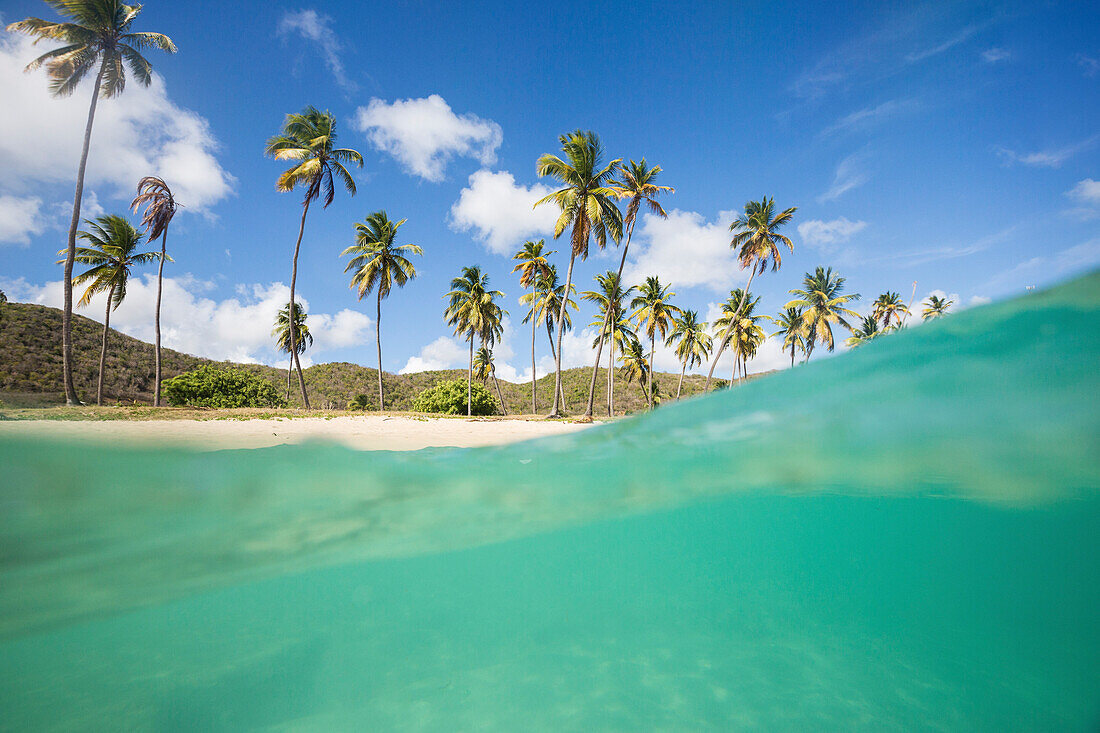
x=361, y=402
x=449, y=398
x=210, y=386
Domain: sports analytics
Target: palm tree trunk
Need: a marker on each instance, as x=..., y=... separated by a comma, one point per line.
x=534, y=402
x=496, y=382
x=792, y=355
x=722, y=342
x=294, y=307
x=550, y=338
x=289, y=374
x=681, y=382
x=606, y=320
x=554, y=412
x=70, y=253
x=733, y=376
x=156, y=317
x=103, y=349
x=470, y=380
x=611, y=378
x=378, y=341
x=652, y=348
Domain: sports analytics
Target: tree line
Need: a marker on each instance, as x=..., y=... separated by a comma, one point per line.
x=97, y=37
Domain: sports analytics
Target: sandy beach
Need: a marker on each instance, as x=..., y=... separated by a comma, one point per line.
x=368, y=432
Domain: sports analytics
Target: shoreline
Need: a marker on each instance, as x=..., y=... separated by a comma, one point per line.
x=360, y=432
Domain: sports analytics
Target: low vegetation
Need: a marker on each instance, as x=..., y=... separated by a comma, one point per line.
x=211, y=386
x=449, y=398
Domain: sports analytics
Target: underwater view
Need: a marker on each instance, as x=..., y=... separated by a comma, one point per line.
x=903, y=537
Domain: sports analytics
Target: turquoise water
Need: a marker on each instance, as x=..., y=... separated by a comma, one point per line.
x=906, y=537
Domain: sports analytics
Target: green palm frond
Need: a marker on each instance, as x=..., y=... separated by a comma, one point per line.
x=309, y=138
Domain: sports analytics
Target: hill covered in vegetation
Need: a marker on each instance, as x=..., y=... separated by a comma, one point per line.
x=30, y=372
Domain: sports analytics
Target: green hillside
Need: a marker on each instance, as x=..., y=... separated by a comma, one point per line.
x=30, y=371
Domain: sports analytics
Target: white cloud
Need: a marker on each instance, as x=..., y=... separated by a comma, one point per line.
x=849, y=174
x=825, y=236
x=948, y=44
x=312, y=26
x=139, y=133
x=993, y=55
x=237, y=329
x=1089, y=64
x=976, y=300
x=870, y=115
x=424, y=134
x=20, y=217
x=1048, y=268
x=685, y=250
x=1087, y=195
x=1051, y=158
x=446, y=352
x=500, y=211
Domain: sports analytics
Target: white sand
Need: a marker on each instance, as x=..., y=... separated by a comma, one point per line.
x=363, y=433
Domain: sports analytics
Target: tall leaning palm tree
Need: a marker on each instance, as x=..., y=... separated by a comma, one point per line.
x=111, y=251
x=654, y=314
x=309, y=139
x=756, y=239
x=611, y=321
x=635, y=365
x=693, y=343
x=637, y=185
x=587, y=203
x=532, y=265
x=546, y=302
x=472, y=310
x=160, y=208
x=378, y=264
x=281, y=332
x=887, y=307
x=96, y=35
x=792, y=329
x=935, y=307
x=822, y=300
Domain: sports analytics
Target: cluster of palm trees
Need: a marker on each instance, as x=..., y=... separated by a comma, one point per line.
x=97, y=36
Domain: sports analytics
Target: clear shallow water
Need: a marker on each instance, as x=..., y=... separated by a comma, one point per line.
x=902, y=538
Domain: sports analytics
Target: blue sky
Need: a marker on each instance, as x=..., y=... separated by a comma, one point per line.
x=955, y=145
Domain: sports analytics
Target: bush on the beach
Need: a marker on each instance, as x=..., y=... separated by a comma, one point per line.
x=449, y=398
x=361, y=402
x=210, y=386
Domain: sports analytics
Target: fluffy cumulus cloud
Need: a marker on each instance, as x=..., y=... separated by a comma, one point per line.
x=139, y=133
x=827, y=236
x=236, y=328
x=685, y=250
x=500, y=212
x=20, y=217
x=317, y=29
x=1085, y=195
x=424, y=134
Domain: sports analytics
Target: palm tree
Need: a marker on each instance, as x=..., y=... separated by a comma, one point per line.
x=532, y=266
x=692, y=342
x=110, y=254
x=635, y=365
x=935, y=307
x=868, y=330
x=793, y=329
x=889, y=306
x=654, y=314
x=309, y=139
x=822, y=299
x=546, y=304
x=740, y=328
x=160, y=208
x=3, y=302
x=611, y=320
x=484, y=368
x=281, y=332
x=587, y=203
x=471, y=310
x=636, y=184
x=96, y=34
x=757, y=241
x=379, y=265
